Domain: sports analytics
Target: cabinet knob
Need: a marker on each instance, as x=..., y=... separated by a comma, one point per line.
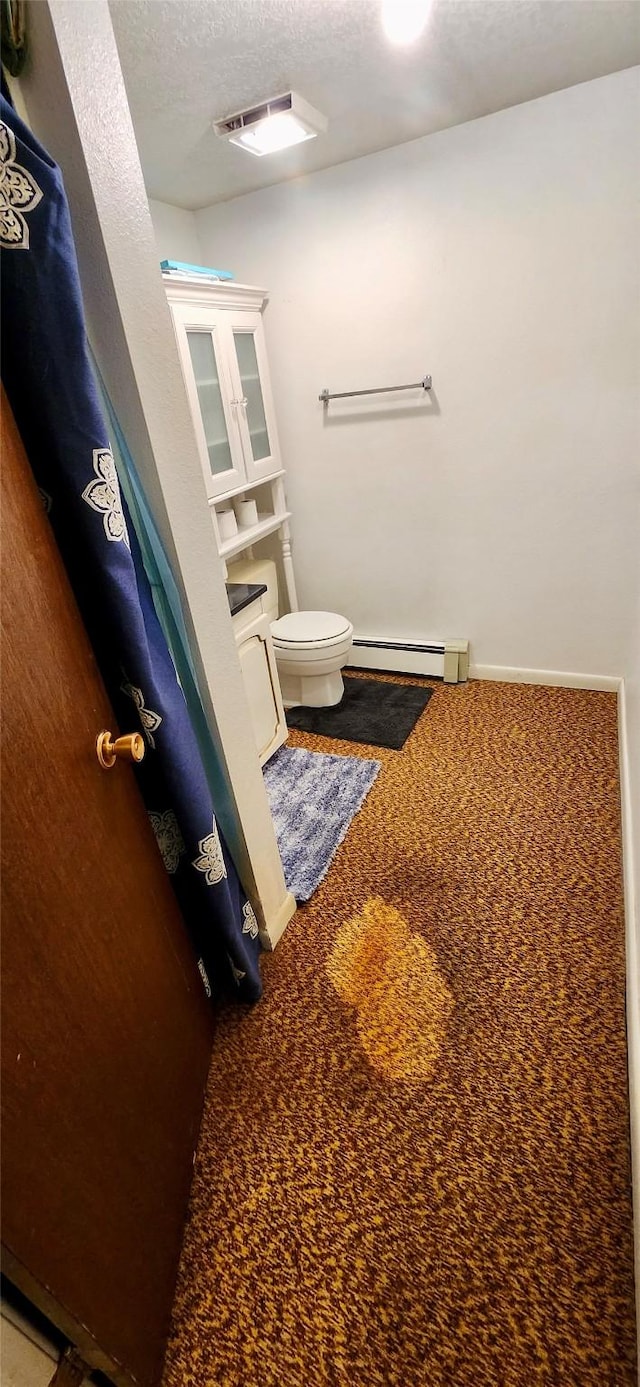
x=243, y=401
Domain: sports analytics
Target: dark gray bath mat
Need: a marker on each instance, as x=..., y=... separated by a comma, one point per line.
x=371, y=711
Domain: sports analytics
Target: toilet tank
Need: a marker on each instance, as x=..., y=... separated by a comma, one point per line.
x=258, y=571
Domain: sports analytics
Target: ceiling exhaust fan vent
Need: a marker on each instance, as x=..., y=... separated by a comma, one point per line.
x=245, y=119
x=272, y=125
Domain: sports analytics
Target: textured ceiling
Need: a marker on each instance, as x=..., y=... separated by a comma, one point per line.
x=188, y=62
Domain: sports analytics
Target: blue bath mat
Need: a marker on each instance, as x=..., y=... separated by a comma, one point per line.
x=313, y=799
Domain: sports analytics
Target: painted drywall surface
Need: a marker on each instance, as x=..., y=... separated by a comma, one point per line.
x=176, y=233
x=502, y=257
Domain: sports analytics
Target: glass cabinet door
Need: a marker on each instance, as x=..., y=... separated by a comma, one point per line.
x=224, y=364
x=207, y=382
x=255, y=410
x=252, y=392
x=204, y=344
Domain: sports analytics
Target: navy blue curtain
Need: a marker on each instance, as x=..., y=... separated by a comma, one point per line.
x=46, y=372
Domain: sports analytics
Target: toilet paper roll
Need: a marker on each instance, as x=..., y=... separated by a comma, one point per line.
x=227, y=524
x=247, y=514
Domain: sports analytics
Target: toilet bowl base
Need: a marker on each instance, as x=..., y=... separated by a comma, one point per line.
x=315, y=691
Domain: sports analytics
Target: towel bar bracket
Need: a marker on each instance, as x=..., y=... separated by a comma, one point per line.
x=326, y=395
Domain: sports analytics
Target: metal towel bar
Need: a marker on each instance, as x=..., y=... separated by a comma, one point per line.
x=326, y=395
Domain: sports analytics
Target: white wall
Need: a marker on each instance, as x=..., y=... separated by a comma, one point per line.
x=176, y=233
x=502, y=257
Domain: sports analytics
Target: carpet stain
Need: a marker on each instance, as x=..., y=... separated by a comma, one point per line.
x=472, y=1228
x=392, y=979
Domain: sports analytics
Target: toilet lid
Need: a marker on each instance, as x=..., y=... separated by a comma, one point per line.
x=305, y=628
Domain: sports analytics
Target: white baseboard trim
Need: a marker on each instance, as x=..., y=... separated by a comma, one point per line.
x=632, y=942
x=553, y=678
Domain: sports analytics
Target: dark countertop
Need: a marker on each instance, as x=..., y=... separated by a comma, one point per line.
x=241, y=594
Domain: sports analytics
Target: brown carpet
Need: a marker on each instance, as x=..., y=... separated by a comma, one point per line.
x=414, y=1164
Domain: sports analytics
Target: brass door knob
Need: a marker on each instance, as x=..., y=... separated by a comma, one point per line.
x=129, y=748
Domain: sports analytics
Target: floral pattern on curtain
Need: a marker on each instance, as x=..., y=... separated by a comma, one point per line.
x=47, y=374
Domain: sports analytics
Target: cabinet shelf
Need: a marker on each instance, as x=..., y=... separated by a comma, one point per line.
x=244, y=486
x=244, y=538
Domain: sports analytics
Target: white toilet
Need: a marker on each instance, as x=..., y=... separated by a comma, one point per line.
x=311, y=648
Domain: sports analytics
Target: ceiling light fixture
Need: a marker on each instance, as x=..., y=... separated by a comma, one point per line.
x=404, y=20
x=276, y=124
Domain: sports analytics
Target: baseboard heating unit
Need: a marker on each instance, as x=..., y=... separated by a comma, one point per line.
x=447, y=660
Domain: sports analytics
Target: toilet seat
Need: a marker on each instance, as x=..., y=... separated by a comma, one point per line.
x=310, y=631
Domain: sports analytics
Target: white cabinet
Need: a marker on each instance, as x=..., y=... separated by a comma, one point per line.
x=220, y=337
x=260, y=677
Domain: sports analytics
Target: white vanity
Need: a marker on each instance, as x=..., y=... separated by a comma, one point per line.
x=251, y=620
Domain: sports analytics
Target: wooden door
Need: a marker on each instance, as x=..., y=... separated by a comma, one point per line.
x=106, y=1029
